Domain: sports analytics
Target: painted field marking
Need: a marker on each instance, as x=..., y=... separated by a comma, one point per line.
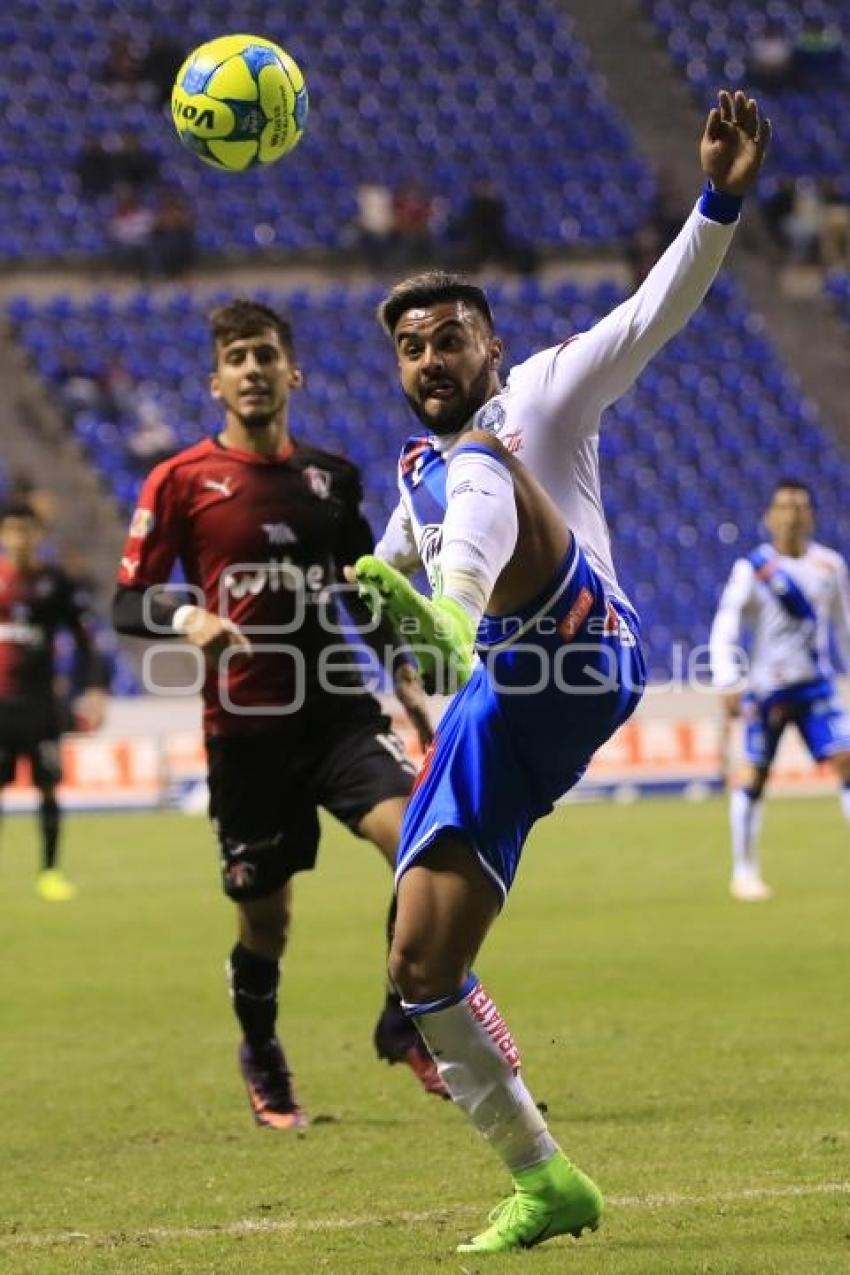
x=270, y=1226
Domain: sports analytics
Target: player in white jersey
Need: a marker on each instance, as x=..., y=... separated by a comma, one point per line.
x=500, y=500
x=791, y=593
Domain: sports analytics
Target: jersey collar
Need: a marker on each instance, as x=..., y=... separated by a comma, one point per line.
x=254, y=458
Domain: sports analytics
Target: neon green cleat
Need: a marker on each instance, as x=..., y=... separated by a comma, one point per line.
x=554, y=1198
x=438, y=630
x=53, y=887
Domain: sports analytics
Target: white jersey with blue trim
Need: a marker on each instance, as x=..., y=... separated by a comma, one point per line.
x=549, y=412
x=790, y=640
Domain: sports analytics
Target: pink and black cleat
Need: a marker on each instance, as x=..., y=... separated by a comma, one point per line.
x=269, y=1085
x=398, y=1041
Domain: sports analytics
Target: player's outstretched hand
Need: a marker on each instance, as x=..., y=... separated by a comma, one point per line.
x=733, y=145
x=212, y=634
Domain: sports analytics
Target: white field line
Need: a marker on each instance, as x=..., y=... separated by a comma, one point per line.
x=270, y=1226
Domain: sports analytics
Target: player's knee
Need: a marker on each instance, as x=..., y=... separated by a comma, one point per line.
x=420, y=975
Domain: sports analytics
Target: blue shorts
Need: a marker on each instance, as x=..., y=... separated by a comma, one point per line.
x=813, y=707
x=553, y=683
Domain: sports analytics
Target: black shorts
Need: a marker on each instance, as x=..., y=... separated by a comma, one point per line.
x=265, y=790
x=31, y=732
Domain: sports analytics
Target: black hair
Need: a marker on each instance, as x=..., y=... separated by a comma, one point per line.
x=243, y=318
x=19, y=509
x=792, y=484
x=427, y=289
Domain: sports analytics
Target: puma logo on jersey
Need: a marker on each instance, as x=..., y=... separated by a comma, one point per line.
x=223, y=486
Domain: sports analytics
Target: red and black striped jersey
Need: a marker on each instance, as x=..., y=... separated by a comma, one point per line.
x=260, y=539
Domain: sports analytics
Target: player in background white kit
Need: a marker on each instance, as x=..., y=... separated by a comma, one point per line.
x=791, y=593
x=500, y=500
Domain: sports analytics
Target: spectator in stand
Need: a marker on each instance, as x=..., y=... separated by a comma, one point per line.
x=130, y=230
x=669, y=206
x=835, y=228
x=413, y=213
x=803, y=225
x=374, y=226
x=80, y=386
x=643, y=250
x=160, y=65
x=173, y=245
x=120, y=390
x=23, y=490
x=153, y=439
x=94, y=168
x=122, y=67
x=107, y=390
x=134, y=166
x=483, y=234
x=648, y=242
x=775, y=211
x=770, y=61
x=818, y=52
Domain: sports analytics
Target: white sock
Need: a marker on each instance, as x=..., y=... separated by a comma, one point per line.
x=479, y=529
x=845, y=800
x=479, y=1063
x=745, y=815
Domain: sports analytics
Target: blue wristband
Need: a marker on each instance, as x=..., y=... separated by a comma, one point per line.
x=717, y=206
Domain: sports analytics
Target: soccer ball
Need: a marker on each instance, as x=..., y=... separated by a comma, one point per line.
x=239, y=101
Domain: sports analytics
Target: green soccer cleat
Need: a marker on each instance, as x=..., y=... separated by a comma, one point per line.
x=438, y=630
x=553, y=1198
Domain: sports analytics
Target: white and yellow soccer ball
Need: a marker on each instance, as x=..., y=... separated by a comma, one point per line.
x=239, y=101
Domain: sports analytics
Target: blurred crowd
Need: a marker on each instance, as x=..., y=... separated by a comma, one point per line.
x=396, y=229
x=111, y=393
x=808, y=220
x=779, y=59
x=151, y=226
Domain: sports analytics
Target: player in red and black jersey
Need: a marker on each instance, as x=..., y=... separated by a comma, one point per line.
x=36, y=600
x=263, y=526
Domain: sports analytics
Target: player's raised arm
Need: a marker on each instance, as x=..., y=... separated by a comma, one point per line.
x=597, y=367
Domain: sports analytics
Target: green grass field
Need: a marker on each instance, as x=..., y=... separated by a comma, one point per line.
x=694, y=1054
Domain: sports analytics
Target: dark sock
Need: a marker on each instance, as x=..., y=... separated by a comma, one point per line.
x=50, y=818
x=253, y=985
